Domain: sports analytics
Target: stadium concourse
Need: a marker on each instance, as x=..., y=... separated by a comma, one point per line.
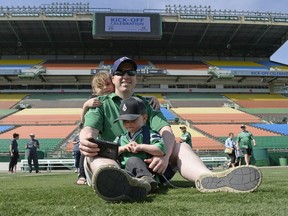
x=209, y=69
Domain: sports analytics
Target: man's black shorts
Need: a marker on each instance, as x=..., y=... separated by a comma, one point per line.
x=247, y=151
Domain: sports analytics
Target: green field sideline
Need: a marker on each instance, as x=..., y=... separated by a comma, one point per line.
x=55, y=193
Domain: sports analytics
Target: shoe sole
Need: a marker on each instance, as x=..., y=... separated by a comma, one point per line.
x=242, y=179
x=114, y=184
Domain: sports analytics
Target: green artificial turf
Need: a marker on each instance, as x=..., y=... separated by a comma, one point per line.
x=56, y=193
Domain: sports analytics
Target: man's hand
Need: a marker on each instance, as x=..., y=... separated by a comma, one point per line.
x=93, y=102
x=158, y=164
x=154, y=103
x=88, y=148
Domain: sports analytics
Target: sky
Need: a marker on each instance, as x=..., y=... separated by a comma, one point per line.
x=239, y=5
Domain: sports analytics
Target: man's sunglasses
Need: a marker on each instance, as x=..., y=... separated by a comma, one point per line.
x=122, y=73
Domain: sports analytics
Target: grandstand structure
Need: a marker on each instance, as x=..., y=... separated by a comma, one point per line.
x=209, y=69
x=51, y=47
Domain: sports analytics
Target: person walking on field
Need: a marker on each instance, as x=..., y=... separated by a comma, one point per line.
x=231, y=145
x=76, y=153
x=244, y=143
x=32, y=147
x=14, y=154
x=185, y=136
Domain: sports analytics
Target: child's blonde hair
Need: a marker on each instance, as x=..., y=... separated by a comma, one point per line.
x=99, y=81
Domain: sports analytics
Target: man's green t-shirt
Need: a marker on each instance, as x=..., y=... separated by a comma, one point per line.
x=244, y=139
x=102, y=117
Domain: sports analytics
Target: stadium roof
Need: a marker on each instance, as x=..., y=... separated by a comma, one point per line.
x=193, y=34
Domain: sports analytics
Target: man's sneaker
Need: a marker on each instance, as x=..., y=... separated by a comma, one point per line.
x=153, y=183
x=240, y=179
x=114, y=184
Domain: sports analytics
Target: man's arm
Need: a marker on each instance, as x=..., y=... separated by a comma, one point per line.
x=88, y=148
x=37, y=144
x=169, y=139
x=159, y=164
x=254, y=142
x=10, y=149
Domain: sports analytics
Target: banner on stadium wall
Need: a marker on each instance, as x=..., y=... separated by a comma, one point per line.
x=259, y=73
x=127, y=24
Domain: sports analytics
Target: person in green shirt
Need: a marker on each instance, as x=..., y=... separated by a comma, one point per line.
x=139, y=142
x=244, y=143
x=185, y=136
x=121, y=186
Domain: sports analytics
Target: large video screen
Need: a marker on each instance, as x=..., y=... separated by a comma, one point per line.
x=127, y=26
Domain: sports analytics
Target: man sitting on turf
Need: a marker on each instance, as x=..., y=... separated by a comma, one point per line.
x=121, y=186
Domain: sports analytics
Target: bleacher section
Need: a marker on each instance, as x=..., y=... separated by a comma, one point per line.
x=277, y=128
x=54, y=117
x=12, y=66
x=269, y=107
x=191, y=65
x=52, y=131
x=222, y=130
x=264, y=138
x=196, y=99
x=49, y=137
x=57, y=100
x=4, y=128
x=259, y=100
x=274, y=65
x=7, y=101
x=167, y=114
x=71, y=65
x=215, y=115
x=45, y=145
x=44, y=116
x=5, y=112
x=275, y=115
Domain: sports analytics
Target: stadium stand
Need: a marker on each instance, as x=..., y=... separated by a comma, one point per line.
x=70, y=65
x=6, y=112
x=259, y=100
x=7, y=101
x=4, y=128
x=18, y=64
x=56, y=100
x=167, y=114
x=196, y=99
x=50, y=137
x=236, y=65
x=222, y=130
x=190, y=65
x=274, y=115
x=212, y=105
x=215, y=115
x=276, y=128
x=273, y=65
x=44, y=116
